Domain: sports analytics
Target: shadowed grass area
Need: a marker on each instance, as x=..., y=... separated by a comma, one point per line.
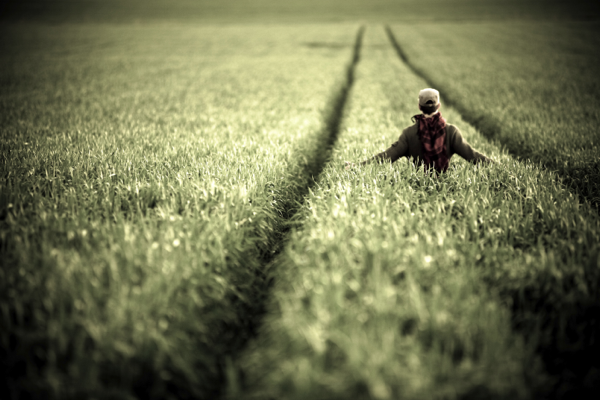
x=275, y=11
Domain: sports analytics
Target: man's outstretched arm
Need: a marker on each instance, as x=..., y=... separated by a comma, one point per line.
x=398, y=149
x=464, y=149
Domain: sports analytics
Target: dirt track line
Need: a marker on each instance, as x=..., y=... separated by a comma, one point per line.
x=569, y=368
x=490, y=128
x=230, y=377
x=488, y=131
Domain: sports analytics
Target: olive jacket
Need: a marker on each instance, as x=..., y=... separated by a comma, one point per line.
x=409, y=145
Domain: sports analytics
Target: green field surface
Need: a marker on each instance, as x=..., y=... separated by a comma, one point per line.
x=397, y=285
x=146, y=173
x=277, y=11
x=176, y=221
x=531, y=86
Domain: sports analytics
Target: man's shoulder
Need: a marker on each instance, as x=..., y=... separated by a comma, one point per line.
x=452, y=130
x=411, y=130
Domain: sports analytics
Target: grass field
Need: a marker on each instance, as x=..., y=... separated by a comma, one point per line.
x=398, y=285
x=539, y=97
x=275, y=11
x=176, y=222
x=136, y=212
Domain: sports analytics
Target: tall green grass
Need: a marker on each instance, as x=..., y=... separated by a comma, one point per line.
x=399, y=285
x=146, y=176
x=531, y=86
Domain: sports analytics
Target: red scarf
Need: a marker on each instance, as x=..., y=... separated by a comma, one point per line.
x=432, y=133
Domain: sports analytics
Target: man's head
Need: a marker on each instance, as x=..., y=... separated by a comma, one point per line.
x=429, y=101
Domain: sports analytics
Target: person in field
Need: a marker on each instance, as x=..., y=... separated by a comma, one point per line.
x=430, y=141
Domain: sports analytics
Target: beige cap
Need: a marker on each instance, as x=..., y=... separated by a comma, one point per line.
x=428, y=94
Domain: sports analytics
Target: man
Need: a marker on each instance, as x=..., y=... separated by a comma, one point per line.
x=430, y=141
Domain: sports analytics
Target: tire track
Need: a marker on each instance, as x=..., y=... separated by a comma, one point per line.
x=489, y=129
x=230, y=377
x=584, y=183
x=572, y=367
